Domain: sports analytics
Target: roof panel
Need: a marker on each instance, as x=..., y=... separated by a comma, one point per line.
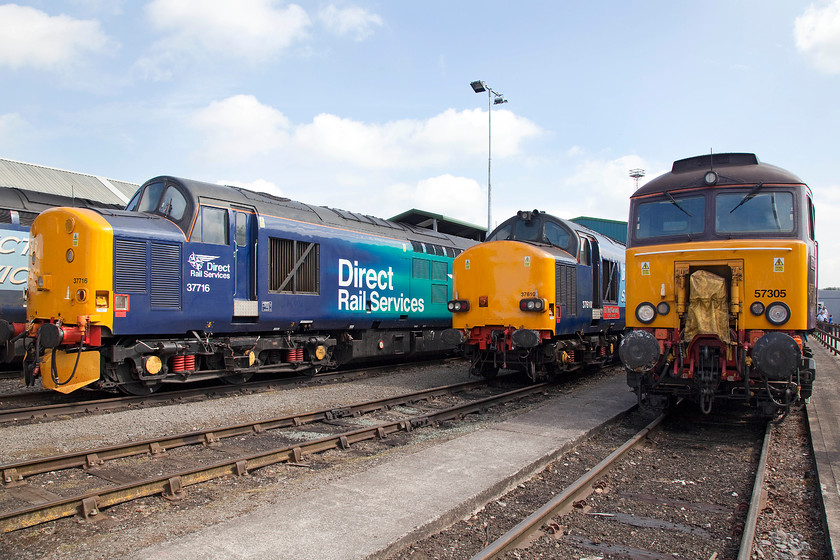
x=48, y=180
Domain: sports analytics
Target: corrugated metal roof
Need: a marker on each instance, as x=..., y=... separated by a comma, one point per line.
x=39, y=178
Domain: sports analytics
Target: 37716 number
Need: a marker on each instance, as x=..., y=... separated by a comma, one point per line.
x=771, y=293
x=198, y=287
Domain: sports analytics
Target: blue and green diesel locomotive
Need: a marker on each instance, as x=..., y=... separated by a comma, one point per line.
x=195, y=280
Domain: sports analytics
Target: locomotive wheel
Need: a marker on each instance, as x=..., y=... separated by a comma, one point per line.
x=131, y=386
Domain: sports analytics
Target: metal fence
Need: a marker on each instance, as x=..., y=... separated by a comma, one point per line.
x=829, y=335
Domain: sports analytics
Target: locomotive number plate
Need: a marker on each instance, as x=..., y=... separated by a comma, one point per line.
x=771, y=293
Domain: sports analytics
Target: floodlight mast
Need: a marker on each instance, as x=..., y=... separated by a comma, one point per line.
x=637, y=174
x=480, y=87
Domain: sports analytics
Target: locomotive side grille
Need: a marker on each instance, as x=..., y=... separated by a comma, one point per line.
x=566, y=282
x=130, y=266
x=166, y=276
x=294, y=266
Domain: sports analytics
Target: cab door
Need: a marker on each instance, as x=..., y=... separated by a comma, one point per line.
x=245, y=305
x=595, y=255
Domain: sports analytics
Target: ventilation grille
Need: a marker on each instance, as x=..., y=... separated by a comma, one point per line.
x=566, y=282
x=166, y=276
x=130, y=266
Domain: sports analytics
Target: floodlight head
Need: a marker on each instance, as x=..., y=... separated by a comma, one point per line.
x=499, y=100
x=478, y=86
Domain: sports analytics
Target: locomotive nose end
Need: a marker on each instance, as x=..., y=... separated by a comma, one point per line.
x=777, y=356
x=639, y=351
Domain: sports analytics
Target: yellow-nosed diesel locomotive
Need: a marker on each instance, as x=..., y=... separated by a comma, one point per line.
x=541, y=294
x=721, y=285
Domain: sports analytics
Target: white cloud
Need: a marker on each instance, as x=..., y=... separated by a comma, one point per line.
x=250, y=29
x=603, y=187
x=408, y=143
x=354, y=21
x=817, y=33
x=240, y=127
x=30, y=37
x=459, y=197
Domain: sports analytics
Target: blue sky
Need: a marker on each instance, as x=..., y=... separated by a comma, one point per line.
x=366, y=105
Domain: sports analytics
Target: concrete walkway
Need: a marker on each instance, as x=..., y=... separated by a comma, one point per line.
x=824, y=416
x=394, y=504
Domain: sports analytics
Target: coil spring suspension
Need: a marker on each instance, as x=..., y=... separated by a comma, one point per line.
x=183, y=363
x=294, y=355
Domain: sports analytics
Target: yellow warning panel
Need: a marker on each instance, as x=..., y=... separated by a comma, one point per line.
x=69, y=374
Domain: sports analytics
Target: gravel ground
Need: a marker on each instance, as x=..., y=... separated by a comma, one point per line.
x=144, y=522
x=787, y=530
x=62, y=436
x=790, y=527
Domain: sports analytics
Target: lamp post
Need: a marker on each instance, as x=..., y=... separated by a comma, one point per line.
x=480, y=87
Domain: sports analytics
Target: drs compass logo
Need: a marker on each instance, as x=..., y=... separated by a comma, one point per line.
x=212, y=270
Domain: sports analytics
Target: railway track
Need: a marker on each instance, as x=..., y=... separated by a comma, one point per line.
x=28, y=406
x=616, y=515
x=258, y=444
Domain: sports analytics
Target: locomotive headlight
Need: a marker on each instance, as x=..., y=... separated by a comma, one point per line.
x=710, y=177
x=645, y=312
x=457, y=305
x=777, y=313
x=757, y=308
x=532, y=304
x=70, y=255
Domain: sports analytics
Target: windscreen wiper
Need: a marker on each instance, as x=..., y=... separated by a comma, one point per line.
x=675, y=203
x=750, y=194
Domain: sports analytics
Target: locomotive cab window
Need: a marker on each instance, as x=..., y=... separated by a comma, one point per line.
x=148, y=200
x=172, y=204
x=241, y=229
x=749, y=212
x=211, y=226
x=672, y=217
x=167, y=201
x=536, y=229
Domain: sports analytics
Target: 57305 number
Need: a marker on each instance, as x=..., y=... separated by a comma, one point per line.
x=771, y=293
